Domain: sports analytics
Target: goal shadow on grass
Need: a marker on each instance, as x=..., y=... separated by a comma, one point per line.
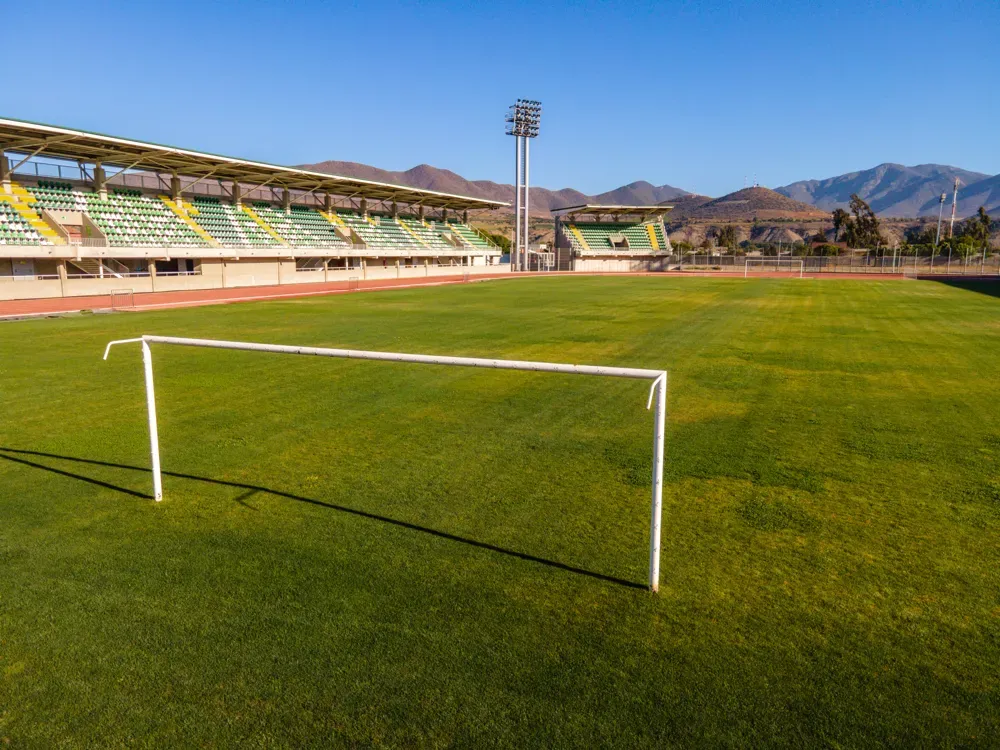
x=989, y=286
x=252, y=489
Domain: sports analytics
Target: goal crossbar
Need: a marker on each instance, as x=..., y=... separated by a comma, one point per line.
x=796, y=263
x=657, y=393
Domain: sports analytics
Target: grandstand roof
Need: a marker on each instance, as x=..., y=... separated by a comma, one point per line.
x=597, y=209
x=37, y=139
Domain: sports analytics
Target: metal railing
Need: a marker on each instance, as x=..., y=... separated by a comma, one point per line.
x=32, y=277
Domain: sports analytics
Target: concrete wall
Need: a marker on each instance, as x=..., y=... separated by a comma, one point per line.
x=618, y=265
x=218, y=274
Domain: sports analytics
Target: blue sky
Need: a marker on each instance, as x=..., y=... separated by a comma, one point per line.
x=694, y=94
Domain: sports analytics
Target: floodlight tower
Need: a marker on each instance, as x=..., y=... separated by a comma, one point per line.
x=937, y=237
x=954, y=204
x=522, y=120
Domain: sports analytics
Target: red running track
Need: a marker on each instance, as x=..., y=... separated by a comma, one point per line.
x=192, y=298
x=162, y=300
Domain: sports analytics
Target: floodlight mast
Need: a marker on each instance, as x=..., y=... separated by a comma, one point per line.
x=522, y=119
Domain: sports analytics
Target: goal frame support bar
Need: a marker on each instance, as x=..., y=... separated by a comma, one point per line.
x=657, y=394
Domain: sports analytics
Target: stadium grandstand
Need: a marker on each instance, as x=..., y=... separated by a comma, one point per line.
x=85, y=213
x=611, y=238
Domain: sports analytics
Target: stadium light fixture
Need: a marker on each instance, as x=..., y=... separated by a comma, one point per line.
x=523, y=121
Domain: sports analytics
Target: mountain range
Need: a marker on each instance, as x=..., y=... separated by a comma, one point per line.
x=891, y=190
x=542, y=200
x=897, y=190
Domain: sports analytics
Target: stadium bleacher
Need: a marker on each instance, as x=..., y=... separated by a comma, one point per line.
x=127, y=217
x=428, y=235
x=228, y=224
x=301, y=226
x=380, y=231
x=15, y=229
x=469, y=235
x=598, y=236
x=157, y=224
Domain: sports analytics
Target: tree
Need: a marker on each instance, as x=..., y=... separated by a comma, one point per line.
x=500, y=240
x=977, y=228
x=726, y=236
x=840, y=218
x=862, y=230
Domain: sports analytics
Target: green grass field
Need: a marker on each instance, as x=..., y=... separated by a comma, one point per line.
x=357, y=553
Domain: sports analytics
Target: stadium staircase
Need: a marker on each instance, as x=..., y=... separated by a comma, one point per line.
x=100, y=268
x=652, y=237
x=413, y=233
x=262, y=224
x=32, y=229
x=181, y=210
x=576, y=234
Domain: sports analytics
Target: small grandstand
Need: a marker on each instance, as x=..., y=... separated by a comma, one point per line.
x=84, y=213
x=611, y=238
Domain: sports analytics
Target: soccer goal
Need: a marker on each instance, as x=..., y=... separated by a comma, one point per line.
x=122, y=299
x=783, y=265
x=544, y=261
x=657, y=392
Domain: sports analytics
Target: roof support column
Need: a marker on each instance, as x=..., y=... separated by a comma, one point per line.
x=237, y=195
x=444, y=214
x=100, y=181
x=328, y=203
x=421, y=212
x=175, y=188
x=395, y=210
x=465, y=216
x=364, y=208
x=4, y=172
x=286, y=201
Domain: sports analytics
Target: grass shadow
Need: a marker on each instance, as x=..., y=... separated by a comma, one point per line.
x=251, y=489
x=990, y=285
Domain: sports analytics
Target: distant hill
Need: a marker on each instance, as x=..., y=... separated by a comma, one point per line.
x=639, y=193
x=890, y=189
x=542, y=199
x=748, y=204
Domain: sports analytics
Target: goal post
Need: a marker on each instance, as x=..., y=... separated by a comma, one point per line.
x=791, y=265
x=657, y=394
x=122, y=299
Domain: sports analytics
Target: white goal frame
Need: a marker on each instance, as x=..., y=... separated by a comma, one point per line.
x=762, y=261
x=658, y=390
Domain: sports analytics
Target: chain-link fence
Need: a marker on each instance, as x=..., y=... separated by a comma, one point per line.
x=911, y=265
